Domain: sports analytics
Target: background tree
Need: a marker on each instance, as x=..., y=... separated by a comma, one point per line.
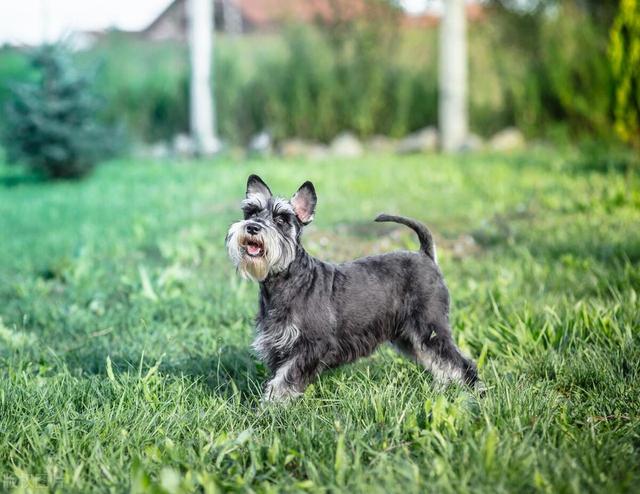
x=551, y=57
x=624, y=53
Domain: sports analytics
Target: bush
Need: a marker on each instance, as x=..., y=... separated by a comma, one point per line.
x=315, y=87
x=146, y=85
x=51, y=122
x=624, y=53
x=311, y=82
x=553, y=67
x=605, y=156
x=14, y=67
x=575, y=73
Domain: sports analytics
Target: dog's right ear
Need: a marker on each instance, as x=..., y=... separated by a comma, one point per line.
x=256, y=187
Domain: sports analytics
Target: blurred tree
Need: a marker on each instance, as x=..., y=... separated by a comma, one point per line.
x=452, y=75
x=552, y=59
x=624, y=54
x=601, y=10
x=51, y=122
x=202, y=108
x=522, y=21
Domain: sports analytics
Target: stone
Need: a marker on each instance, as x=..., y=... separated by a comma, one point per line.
x=508, y=139
x=261, y=143
x=158, y=151
x=381, y=144
x=421, y=141
x=183, y=145
x=293, y=148
x=346, y=145
x=318, y=151
x=473, y=142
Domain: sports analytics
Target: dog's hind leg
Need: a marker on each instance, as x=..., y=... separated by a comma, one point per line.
x=405, y=347
x=434, y=348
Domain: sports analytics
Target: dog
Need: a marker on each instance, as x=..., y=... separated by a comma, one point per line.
x=315, y=315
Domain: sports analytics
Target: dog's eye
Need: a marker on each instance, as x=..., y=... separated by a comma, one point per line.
x=281, y=220
x=249, y=212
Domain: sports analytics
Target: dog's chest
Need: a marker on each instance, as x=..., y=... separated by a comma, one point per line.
x=275, y=335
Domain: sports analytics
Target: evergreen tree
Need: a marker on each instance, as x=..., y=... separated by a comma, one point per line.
x=52, y=122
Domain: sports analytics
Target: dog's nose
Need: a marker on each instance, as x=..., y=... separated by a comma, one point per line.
x=253, y=228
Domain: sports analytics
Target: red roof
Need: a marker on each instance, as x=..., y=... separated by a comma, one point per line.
x=475, y=12
x=267, y=14
x=263, y=13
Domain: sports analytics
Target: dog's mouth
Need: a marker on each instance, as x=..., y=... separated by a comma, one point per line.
x=253, y=247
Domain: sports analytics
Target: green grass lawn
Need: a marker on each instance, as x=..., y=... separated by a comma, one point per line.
x=124, y=339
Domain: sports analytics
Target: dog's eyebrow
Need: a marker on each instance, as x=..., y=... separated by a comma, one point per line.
x=282, y=206
x=253, y=201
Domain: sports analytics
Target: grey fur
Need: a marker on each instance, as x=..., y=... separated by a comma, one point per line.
x=315, y=315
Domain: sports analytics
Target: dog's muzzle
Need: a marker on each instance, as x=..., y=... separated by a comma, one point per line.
x=253, y=246
x=251, y=241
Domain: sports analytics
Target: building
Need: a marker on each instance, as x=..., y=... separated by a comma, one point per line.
x=245, y=16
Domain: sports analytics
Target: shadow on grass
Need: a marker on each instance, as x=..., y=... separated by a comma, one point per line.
x=604, y=157
x=606, y=245
x=229, y=371
x=10, y=180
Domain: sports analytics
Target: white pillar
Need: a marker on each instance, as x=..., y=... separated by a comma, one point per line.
x=202, y=109
x=452, y=75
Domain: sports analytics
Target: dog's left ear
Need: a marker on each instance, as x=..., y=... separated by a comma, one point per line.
x=304, y=203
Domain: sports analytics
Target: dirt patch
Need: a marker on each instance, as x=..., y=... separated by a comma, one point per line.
x=343, y=242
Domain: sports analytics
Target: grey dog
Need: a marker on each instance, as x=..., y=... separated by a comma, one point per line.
x=315, y=315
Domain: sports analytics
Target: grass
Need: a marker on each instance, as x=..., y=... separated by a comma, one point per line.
x=124, y=342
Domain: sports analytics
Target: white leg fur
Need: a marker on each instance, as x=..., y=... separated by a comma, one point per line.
x=278, y=389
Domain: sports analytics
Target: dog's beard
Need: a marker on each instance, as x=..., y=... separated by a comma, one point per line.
x=277, y=251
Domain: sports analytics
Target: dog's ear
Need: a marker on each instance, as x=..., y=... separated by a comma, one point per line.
x=304, y=203
x=255, y=186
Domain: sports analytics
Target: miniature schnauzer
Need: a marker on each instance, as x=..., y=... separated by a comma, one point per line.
x=315, y=315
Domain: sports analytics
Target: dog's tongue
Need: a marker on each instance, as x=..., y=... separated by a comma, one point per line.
x=254, y=250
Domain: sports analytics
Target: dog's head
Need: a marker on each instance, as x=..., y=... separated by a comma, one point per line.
x=265, y=242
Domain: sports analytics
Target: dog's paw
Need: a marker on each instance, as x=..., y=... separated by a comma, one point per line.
x=279, y=393
x=480, y=388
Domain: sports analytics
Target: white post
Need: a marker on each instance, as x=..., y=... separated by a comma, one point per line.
x=452, y=74
x=202, y=110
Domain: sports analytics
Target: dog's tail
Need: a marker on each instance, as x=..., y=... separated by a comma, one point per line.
x=424, y=235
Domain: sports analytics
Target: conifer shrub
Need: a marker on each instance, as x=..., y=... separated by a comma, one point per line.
x=52, y=121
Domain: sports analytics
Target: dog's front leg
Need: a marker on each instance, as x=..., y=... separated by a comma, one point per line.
x=284, y=385
x=292, y=376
